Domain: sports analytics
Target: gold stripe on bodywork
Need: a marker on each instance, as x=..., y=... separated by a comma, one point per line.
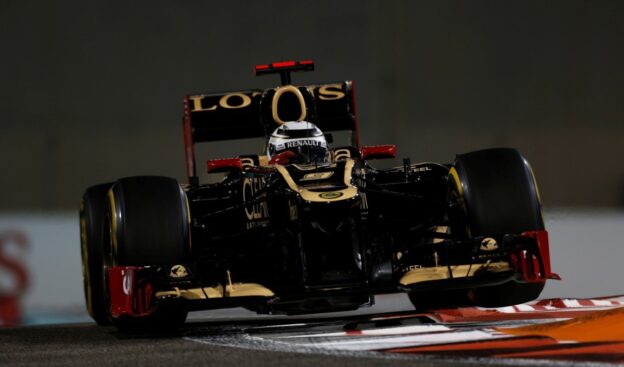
x=348, y=170
x=289, y=180
x=440, y=229
x=317, y=196
x=192, y=294
x=247, y=290
x=420, y=275
x=263, y=160
x=233, y=290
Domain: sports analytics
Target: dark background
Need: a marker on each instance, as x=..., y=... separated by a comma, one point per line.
x=92, y=90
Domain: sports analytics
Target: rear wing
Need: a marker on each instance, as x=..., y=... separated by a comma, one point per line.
x=256, y=113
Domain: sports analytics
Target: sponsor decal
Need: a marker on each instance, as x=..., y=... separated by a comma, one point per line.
x=301, y=143
x=178, y=271
x=342, y=154
x=330, y=195
x=237, y=100
x=421, y=169
x=248, y=162
x=127, y=282
x=488, y=244
x=228, y=101
x=327, y=92
x=278, y=95
x=254, y=197
x=317, y=176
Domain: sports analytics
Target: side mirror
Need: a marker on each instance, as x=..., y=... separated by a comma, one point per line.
x=378, y=152
x=224, y=165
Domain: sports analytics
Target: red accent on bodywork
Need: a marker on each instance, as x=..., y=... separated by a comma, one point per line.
x=283, y=64
x=282, y=158
x=287, y=65
x=378, y=152
x=130, y=291
x=224, y=165
x=261, y=68
x=189, y=150
x=528, y=264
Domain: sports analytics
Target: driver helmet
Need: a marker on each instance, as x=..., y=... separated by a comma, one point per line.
x=302, y=138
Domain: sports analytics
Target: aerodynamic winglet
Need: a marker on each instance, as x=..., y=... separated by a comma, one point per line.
x=284, y=68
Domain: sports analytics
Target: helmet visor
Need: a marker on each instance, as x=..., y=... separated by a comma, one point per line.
x=305, y=150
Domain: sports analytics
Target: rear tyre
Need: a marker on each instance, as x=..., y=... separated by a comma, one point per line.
x=148, y=218
x=496, y=193
x=92, y=215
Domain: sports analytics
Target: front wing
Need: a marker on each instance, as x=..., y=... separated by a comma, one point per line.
x=137, y=291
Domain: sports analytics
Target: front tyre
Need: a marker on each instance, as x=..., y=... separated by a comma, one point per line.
x=149, y=224
x=149, y=221
x=494, y=193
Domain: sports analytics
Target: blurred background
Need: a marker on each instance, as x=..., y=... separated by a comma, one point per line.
x=92, y=90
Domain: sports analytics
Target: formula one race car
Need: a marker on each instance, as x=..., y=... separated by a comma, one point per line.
x=305, y=228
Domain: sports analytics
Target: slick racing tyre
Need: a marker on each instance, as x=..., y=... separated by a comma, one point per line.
x=496, y=193
x=92, y=250
x=148, y=222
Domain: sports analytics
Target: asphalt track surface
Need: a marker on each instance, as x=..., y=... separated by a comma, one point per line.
x=83, y=345
x=369, y=337
x=88, y=344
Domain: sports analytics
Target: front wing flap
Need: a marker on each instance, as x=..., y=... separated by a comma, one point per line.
x=523, y=258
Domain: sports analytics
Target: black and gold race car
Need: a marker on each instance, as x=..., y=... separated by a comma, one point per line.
x=304, y=227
